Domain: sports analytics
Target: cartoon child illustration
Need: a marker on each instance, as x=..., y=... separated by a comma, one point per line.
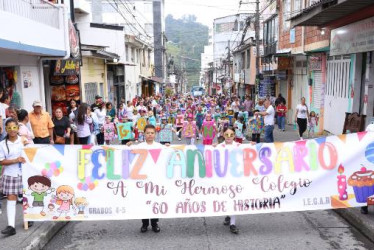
x=51, y=207
x=81, y=203
x=39, y=185
x=64, y=198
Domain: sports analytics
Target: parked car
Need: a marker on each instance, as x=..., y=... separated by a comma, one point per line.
x=197, y=91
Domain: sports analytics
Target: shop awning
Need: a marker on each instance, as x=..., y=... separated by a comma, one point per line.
x=98, y=52
x=324, y=49
x=145, y=77
x=285, y=52
x=157, y=79
x=325, y=11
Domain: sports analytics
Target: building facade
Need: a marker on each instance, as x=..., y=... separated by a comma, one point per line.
x=23, y=52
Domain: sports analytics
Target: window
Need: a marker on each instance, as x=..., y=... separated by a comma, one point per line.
x=276, y=23
x=143, y=63
x=248, y=58
x=243, y=60
x=296, y=7
x=132, y=55
x=241, y=25
x=127, y=52
x=236, y=25
x=265, y=33
x=286, y=14
x=90, y=90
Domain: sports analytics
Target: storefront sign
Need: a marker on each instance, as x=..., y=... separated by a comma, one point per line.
x=282, y=75
x=74, y=41
x=27, y=79
x=267, y=87
x=284, y=63
x=353, y=38
x=315, y=63
x=74, y=182
x=67, y=67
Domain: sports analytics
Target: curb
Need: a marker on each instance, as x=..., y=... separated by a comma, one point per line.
x=44, y=234
x=354, y=217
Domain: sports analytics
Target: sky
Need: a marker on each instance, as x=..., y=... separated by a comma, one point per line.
x=206, y=10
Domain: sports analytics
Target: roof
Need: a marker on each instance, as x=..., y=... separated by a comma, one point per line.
x=324, y=12
x=311, y=7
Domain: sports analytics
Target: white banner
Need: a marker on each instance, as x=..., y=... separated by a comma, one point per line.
x=72, y=182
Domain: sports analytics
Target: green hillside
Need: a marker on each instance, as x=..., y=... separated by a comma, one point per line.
x=187, y=39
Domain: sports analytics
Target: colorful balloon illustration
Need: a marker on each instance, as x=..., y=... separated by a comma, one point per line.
x=369, y=153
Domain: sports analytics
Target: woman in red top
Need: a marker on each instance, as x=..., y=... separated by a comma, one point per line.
x=281, y=115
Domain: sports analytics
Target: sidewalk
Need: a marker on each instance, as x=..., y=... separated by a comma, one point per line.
x=362, y=222
x=36, y=237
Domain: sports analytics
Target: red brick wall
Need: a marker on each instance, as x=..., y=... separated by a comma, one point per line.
x=311, y=34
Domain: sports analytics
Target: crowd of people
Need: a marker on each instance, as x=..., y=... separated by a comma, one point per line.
x=215, y=120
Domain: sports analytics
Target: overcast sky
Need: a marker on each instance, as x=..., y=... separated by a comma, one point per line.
x=205, y=10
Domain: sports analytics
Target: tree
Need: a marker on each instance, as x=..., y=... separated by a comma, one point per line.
x=186, y=43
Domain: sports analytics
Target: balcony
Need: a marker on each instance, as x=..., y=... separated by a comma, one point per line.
x=33, y=27
x=325, y=11
x=82, y=7
x=270, y=49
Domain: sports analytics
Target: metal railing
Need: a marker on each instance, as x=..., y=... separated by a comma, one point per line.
x=41, y=11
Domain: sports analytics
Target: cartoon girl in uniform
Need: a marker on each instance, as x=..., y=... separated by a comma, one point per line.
x=64, y=198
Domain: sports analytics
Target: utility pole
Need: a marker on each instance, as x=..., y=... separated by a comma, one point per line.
x=257, y=37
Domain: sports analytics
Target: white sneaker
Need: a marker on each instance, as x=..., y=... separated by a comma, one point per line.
x=179, y=139
x=1, y=211
x=301, y=138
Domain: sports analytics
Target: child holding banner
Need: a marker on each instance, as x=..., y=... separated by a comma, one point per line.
x=239, y=128
x=109, y=130
x=229, y=135
x=179, y=123
x=189, y=129
x=199, y=117
x=166, y=131
x=140, y=124
x=256, y=126
x=149, y=136
x=124, y=130
x=11, y=160
x=208, y=130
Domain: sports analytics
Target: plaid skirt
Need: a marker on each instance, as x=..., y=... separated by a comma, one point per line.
x=11, y=185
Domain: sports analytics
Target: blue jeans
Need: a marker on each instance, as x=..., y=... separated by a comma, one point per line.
x=269, y=133
x=281, y=122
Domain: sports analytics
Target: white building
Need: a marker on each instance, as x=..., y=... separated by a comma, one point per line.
x=227, y=35
x=137, y=19
x=31, y=31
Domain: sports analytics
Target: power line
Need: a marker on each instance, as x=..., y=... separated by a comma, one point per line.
x=133, y=16
x=129, y=24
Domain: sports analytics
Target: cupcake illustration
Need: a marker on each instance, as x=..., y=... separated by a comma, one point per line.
x=363, y=184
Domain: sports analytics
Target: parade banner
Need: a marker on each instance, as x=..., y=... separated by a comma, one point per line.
x=166, y=133
x=209, y=130
x=124, y=131
x=75, y=182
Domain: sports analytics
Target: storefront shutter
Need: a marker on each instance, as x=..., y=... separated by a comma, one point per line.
x=317, y=92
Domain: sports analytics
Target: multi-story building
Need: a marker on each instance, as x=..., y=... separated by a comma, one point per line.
x=32, y=32
x=337, y=38
x=301, y=57
x=227, y=35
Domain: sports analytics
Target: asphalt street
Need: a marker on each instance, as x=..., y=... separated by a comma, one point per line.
x=297, y=230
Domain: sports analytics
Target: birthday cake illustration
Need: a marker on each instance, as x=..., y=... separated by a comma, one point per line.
x=363, y=184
